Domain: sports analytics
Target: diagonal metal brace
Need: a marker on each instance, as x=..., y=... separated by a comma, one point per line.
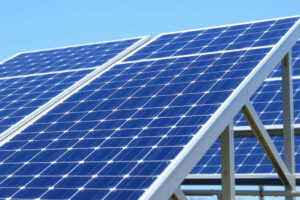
x=265, y=141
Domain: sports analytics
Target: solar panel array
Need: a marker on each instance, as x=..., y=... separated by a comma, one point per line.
x=115, y=136
x=21, y=96
x=61, y=59
x=249, y=35
x=29, y=80
x=267, y=101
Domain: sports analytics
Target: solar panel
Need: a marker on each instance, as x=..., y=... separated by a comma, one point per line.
x=249, y=156
x=295, y=62
x=268, y=104
x=119, y=135
x=21, y=96
x=27, y=86
x=225, y=38
x=268, y=101
x=61, y=59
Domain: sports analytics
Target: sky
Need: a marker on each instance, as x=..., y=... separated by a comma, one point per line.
x=39, y=24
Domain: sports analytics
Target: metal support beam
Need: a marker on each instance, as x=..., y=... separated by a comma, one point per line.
x=227, y=163
x=242, y=193
x=267, y=145
x=178, y=195
x=288, y=117
x=261, y=190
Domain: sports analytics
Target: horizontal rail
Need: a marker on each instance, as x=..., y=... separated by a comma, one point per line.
x=242, y=193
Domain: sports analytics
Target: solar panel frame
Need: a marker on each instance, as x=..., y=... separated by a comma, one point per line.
x=166, y=184
x=25, y=122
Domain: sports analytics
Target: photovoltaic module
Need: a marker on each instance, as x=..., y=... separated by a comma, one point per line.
x=123, y=132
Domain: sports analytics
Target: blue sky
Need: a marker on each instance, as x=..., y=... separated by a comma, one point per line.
x=35, y=24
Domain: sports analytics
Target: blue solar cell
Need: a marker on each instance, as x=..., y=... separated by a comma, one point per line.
x=69, y=58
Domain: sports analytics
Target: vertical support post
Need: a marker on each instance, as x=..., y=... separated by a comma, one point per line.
x=227, y=163
x=261, y=189
x=288, y=117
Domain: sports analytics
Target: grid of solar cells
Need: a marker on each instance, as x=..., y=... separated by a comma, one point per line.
x=249, y=157
x=216, y=39
x=70, y=58
x=21, y=96
x=116, y=135
x=267, y=102
x=295, y=62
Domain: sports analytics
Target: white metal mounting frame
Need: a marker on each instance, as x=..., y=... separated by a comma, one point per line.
x=285, y=169
x=239, y=100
